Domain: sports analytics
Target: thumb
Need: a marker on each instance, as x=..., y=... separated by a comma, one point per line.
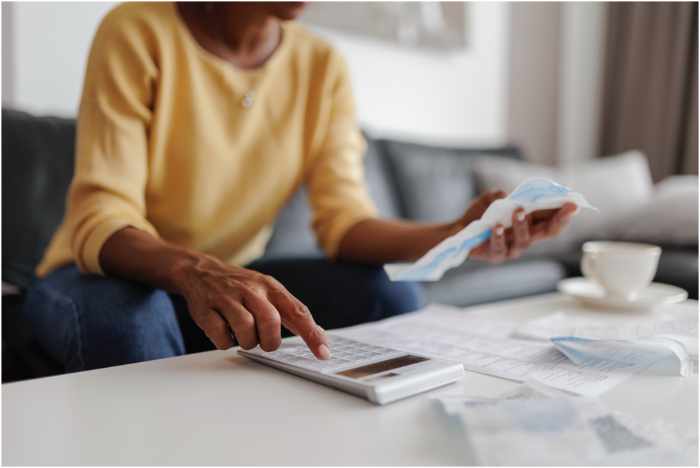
x=480, y=205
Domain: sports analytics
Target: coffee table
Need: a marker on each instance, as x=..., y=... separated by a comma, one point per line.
x=217, y=408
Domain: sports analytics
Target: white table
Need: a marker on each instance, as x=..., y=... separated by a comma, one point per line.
x=217, y=408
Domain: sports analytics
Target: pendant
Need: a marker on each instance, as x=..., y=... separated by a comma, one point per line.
x=247, y=100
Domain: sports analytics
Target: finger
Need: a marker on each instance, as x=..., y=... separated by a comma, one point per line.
x=267, y=320
x=490, y=197
x=497, y=244
x=298, y=320
x=543, y=215
x=211, y=323
x=217, y=330
x=479, y=206
x=521, y=233
x=546, y=215
x=487, y=198
x=241, y=321
x=569, y=209
x=481, y=251
x=560, y=219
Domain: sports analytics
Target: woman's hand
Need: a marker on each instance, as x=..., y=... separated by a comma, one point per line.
x=225, y=300
x=510, y=243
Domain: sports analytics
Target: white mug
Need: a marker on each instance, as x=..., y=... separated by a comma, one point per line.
x=623, y=269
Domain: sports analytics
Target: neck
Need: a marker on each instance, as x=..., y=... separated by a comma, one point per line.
x=244, y=31
x=233, y=31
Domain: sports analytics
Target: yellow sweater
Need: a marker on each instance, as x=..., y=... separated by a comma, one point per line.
x=166, y=144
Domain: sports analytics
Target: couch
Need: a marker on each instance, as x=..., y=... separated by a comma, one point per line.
x=406, y=180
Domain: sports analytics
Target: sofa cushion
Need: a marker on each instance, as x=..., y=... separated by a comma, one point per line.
x=292, y=235
x=477, y=282
x=37, y=166
x=436, y=183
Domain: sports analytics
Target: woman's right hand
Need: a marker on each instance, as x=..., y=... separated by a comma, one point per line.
x=224, y=299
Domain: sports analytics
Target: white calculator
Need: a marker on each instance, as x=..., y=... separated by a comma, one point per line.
x=381, y=375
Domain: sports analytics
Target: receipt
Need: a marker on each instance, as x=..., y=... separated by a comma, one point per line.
x=670, y=341
x=666, y=352
x=482, y=346
x=580, y=322
x=529, y=427
x=532, y=195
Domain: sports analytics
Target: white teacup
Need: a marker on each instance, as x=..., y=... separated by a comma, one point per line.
x=623, y=269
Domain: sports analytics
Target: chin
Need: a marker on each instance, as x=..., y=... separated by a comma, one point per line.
x=286, y=10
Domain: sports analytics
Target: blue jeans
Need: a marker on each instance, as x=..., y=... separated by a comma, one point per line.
x=89, y=321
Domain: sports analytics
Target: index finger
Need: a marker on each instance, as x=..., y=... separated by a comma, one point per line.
x=297, y=318
x=561, y=218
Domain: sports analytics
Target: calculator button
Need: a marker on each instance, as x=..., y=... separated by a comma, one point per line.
x=346, y=354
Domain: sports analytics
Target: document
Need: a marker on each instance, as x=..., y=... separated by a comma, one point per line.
x=530, y=427
x=484, y=346
x=672, y=333
x=666, y=353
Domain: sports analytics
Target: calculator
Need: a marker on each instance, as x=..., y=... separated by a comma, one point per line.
x=378, y=374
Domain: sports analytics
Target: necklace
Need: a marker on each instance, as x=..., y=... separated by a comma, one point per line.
x=248, y=98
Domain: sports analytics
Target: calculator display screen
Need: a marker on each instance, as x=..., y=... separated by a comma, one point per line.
x=377, y=367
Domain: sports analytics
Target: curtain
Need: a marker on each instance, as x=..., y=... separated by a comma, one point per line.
x=650, y=87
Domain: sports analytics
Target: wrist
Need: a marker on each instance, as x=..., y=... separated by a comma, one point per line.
x=181, y=269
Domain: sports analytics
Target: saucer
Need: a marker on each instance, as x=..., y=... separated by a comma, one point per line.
x=589, y=293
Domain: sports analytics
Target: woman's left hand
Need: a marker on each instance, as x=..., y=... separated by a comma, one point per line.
x=506, y=244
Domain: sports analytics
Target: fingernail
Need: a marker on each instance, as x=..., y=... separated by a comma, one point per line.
x=520, y=216
x=499, y=231
x=324, y=352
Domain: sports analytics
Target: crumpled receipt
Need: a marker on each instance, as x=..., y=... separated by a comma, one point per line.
x=670, y=353
x=532, y=195
x=529, y=426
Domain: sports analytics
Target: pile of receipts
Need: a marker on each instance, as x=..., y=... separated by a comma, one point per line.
x=531, y=195
x=545, y=351
x=533, y=425
x=563, y=361
x=670, y=341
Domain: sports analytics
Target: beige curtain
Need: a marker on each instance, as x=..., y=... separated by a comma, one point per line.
x=650, y=90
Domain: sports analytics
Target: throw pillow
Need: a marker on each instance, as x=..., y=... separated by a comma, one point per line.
x=670, y=217
x=616, y=185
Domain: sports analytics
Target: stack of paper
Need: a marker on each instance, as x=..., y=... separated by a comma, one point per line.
x=533, y=427
x=484, y=346
x=669, y=340
x=560, y=356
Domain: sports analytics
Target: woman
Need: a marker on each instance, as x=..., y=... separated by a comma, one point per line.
x=196, y=123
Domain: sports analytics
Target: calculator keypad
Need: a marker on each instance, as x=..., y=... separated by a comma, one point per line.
x=345, y=354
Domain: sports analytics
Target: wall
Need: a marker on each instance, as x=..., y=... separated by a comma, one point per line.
x=444, y=97
x=530, y=75
x=49, y=45
x=420, y=96
x=8, y=58
x=533, y=91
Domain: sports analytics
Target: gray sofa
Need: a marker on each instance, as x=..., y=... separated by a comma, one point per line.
x=426, y=183
x=418, y=182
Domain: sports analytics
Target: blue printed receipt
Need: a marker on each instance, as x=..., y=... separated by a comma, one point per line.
x=532, y=195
